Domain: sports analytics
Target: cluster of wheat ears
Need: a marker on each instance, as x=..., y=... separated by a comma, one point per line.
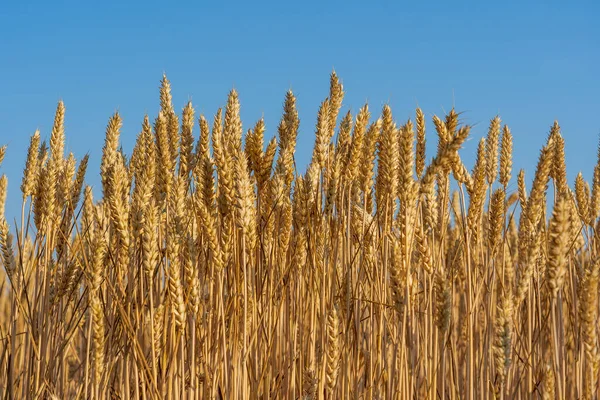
x=214, y=269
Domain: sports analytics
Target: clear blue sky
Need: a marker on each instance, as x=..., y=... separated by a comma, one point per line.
x=531, y=62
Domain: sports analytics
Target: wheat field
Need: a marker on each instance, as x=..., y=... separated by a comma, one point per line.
x=211, y=267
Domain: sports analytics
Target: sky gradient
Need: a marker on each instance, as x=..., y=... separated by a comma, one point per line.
x=531, y=64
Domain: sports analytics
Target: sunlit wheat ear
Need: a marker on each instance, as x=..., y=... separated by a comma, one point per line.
x=322, y=135
x=535, y=204
x=208, y=224
x=232, y=131
x=203, y=144
x=368, y=155
x=254, y=146
x=421, y=142
x=343, y=138
x=3, y=193
x=144, y=175
x=244, y=198
x=477, y=195
x=166, y=99
x=491, y=150
x=443, y=300
x=588, y=312
x=595, y=200
x=175, y=285
x=2, y=153
x=559, y=166
x=31, y=166
x=577, y=233
x=190, y=269
x=6, y=247
x=57, y=138
x=457, y=212
x=186, y=160
x=118, y=206
x=79, y=181
x=506, y=156
x=164, y=173
x=53, y=169
x=204, y=167
x=224, y=167
x=406, y=160
x=87, y=211
x=442, y=132
x=158, y=330
x=496, y=219
x=266, y=165
x=503, y=340
x=288, y=132
x=65, y=179
x=558, y=246
x=582, y=195
x=451, y=122
x=522, y=189
x=171, y=124
x=41, y=197
x=111, y=144
x=387, y=163
x=97, y=314
x=356, y=143
x=429, y=206
x=336, y=96
x=333, y=348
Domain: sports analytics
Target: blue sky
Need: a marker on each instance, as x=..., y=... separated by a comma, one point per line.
x=531, y=63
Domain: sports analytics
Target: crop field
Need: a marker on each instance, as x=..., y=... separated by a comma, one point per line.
x=210, y=266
